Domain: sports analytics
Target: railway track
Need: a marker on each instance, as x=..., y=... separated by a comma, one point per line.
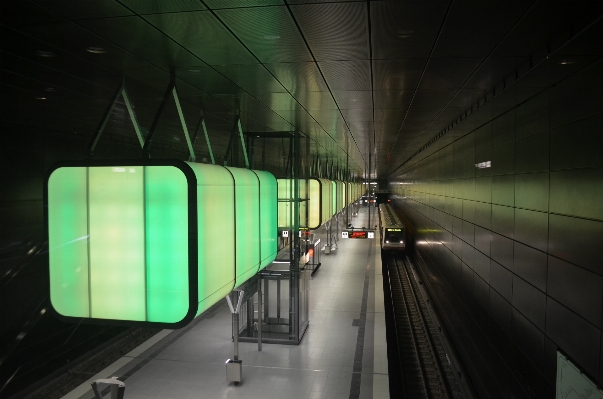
x=425, y=366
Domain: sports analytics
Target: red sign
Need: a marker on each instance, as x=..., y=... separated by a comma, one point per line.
x=357, y=234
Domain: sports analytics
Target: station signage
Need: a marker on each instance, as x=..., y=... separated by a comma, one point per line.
x=357, y=234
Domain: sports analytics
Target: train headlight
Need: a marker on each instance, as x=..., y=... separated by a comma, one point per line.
x=401, y=242
x=387, y=242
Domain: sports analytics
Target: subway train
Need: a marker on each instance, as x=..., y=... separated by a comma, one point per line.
x=392, y=230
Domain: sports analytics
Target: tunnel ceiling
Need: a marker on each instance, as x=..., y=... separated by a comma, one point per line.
x=357, y=77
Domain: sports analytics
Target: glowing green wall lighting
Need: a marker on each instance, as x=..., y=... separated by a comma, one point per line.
x=154, y=241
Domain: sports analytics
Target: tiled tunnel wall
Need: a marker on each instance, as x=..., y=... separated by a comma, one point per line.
x=513, y=252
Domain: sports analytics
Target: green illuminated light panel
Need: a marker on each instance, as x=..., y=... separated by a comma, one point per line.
x=158, y=242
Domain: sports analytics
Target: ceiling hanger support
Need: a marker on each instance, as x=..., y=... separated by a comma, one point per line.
x=201, y=125
x=183, y=122
x=240, y=129
x=103, y=123
x=164, y=100
x=133, y=117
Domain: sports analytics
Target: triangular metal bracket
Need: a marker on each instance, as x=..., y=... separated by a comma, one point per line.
x=121, y=91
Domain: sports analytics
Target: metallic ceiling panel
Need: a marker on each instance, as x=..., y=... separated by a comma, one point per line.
x=316, y=100
x=320, y=1
x=86, y=46
x=19, y=13
x=472, y=29
x=448, y=72
x=358, y=114
x=133, y=34
x=278, y=101
x=465, y=98
x=299, y=77
x=347, y=75
x=76, y=9
x=251, y=78
x=432, y=98
x=162, y=6
x=405, y=29
x=208, y=79
x=354, y=99
x=268, y=32
x=555, y=20
x=334, y=31
x=395, y=99
x=217, y=4
x=403, y=74
x=52, y=80
x=200, y=33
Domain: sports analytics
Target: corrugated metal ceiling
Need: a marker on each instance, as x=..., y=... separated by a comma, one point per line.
x=356, y=76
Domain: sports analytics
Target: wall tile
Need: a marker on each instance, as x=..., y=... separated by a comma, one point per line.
x=481, y=265
x=528, y=337
x=501, y=250
x=467, y=278
x=503, y=159
x=532, y=191
x=483, y=138
x=503, y=190
x=503, y=220
x=468, y=254
x=483, y=214
x=574, y=335
x=532, y=116
x=483, y=189
x=469, y=210
x=501, y=310
x=533, y=153
x=532, y=228
x=481, y=291
x=469, y=232
x=530, y=264
x=567, y=98
x=469, y=189
x=503, y=128
x=578, y=289
x=16, y=188
x=530, y=301
x=578, y=192
x=575, y=145
x=482, y=240
x=577, y=241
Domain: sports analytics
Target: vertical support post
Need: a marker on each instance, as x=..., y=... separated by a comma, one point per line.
x=260, y=309
x=234, y=367
x=278, y=301
x=347, y=188
x=369, y=187
x=296, y=241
